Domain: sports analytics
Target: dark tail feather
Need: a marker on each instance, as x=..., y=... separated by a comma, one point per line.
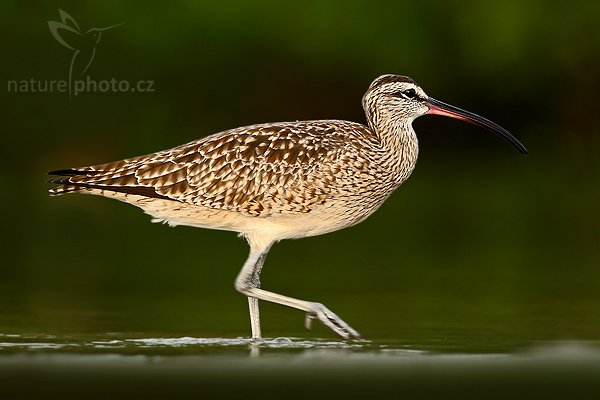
x=65, y=185
x=72, y=172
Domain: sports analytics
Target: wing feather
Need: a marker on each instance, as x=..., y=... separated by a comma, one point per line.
x=257, y=170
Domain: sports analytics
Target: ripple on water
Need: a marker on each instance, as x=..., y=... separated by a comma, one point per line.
x=48, y=342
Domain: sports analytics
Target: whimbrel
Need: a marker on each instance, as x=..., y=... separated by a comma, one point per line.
x=277, y=181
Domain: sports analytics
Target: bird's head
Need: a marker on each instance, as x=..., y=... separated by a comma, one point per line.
x=394, y=97
x=394, y=100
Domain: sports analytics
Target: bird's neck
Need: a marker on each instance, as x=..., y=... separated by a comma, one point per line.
x=399, y=144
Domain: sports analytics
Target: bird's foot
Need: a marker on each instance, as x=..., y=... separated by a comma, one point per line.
x=330, y=320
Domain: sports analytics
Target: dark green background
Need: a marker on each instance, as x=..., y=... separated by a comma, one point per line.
x=482, y=249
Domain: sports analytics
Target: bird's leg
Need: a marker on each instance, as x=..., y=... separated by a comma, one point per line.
x=254, y=318
x=253, y=301
x=249, y=276
x=248, y=283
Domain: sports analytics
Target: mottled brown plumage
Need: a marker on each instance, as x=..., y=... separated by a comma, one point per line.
x=260, y=170
x=278, y=180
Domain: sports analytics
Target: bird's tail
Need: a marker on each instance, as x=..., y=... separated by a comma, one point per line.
x=100, y=179
x=64, y=181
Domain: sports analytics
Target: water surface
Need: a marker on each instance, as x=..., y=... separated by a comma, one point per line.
x=124, y=365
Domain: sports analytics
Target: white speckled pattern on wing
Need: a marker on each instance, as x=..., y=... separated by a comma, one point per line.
x=257, y=170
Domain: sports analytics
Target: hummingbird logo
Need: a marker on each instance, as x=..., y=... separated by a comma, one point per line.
x=83, y=44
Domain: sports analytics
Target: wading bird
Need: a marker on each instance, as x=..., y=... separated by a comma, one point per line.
x=277, y=181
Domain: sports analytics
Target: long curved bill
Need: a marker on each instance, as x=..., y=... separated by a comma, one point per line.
x=441, y=108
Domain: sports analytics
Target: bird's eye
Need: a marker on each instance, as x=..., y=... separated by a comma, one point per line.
x=409, y=93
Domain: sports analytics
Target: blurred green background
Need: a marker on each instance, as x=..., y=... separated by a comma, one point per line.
x=481, y=249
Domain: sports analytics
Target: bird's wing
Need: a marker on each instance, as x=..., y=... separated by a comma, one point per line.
x=255, y=170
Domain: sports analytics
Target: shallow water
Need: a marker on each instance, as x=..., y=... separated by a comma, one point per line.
x=91, y=344
x=124, y=365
